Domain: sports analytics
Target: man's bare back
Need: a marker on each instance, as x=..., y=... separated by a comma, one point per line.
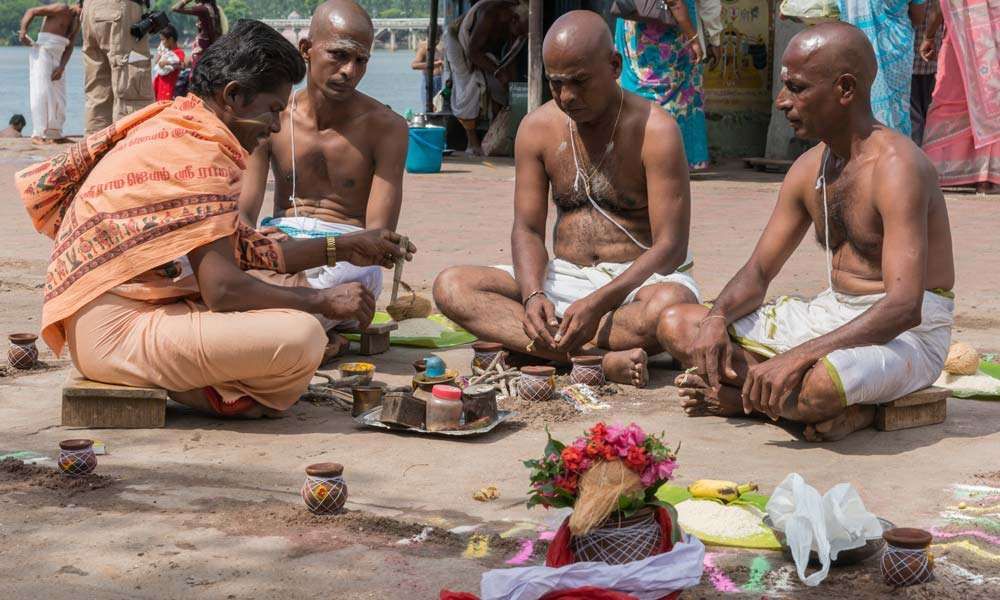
x=856, y=228
x=582, y=235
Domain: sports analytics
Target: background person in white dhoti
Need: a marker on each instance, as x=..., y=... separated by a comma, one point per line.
x=46, y=64
x=338, y=159
x=479, y=79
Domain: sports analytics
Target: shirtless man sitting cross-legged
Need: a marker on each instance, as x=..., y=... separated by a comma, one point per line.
x=615, y=165
x=338, y=159
x=883, y=329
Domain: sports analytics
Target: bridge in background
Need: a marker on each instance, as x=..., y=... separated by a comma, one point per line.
x=389, y=33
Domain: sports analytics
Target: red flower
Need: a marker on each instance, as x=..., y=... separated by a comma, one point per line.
x=572, y=458
x=568, y=483
x=598, y=433
x=636, y=457
x=610, y=453
x=596, y=449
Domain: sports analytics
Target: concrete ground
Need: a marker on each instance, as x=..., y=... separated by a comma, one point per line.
x=209, y=508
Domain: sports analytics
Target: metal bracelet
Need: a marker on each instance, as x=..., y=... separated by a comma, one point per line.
x=524, y=303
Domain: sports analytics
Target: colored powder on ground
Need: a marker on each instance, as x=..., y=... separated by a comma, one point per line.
x=479, y=547
x=719, y=579
x=969, y=547
x=522, y=556
x=758, y=570
x=946, y=535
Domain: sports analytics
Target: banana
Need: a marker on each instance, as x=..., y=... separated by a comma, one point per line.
x=717, y=489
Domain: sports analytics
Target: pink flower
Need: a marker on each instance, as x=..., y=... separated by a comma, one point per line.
x=624, y=438
x=660, y=471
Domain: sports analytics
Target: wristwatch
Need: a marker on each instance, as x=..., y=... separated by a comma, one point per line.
x=331, y=250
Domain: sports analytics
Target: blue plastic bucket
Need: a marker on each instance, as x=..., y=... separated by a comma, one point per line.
x=423, y=155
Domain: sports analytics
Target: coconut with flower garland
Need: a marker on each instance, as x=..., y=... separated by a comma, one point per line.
x=609, y=477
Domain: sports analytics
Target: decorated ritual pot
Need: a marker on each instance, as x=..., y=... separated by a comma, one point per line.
x=485, y=353
x=324, y=490
x=588, y=370
x=23, y=354
x=906, y=559
x=76, y=457
x=619, y=540
x=536, y=383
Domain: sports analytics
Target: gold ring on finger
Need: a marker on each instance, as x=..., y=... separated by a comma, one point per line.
x=531, y=346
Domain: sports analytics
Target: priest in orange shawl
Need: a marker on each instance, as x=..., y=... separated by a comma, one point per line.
x=148, y=283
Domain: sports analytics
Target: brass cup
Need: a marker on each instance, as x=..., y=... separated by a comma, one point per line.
x=366, y=397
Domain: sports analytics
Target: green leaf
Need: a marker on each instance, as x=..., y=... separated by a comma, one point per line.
x=673, y=494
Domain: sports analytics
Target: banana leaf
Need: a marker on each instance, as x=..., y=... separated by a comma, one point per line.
x=765, y=540
x=453, y=335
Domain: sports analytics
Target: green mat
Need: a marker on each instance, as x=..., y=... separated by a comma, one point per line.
x=452, y=336
x=764, y=540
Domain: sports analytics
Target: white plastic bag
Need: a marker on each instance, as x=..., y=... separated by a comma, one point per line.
x=810, y=11
x=829, y=524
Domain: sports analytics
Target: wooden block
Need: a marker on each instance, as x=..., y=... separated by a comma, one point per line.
x=375, y=339
x=928, y=406
x=87, y=403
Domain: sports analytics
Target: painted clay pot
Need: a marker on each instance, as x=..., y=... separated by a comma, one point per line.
x=23, y=354
x=536, y=383
x=619, y=540
x=906, y=559
x=588, y=370
x=366, y=397
x=76, y=457
x=485, y=352
x=324, y=490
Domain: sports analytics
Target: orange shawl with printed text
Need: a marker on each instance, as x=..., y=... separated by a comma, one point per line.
x=137, y=195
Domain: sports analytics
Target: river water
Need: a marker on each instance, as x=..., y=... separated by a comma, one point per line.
x=389, y=79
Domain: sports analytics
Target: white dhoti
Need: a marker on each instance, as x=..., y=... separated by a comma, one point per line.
x=865, y=374
x=339, y=274
x=565, y=282
x=47, y=97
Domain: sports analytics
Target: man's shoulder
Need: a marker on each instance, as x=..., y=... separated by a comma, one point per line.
x=896, y=154
x=383, y=118
x=539, y=122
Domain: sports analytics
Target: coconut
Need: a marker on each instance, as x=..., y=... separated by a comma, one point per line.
x=962, y=359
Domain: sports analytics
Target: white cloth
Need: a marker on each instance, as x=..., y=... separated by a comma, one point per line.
x=709, y=22
x=47, y=97
x=341, y=273
x=467, y=82
x=173, y=61
x=565, y=283
x=649, y=579
x=865, y=374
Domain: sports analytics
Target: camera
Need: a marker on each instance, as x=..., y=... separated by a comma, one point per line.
x=150, y=23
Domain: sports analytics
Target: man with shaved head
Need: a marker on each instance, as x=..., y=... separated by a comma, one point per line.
x=338, y=159
x=883, y=327
x=615, y=166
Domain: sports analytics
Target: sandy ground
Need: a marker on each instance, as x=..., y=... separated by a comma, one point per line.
x=206, y=508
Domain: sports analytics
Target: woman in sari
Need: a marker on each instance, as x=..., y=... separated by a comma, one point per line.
x=962, y=135
x=662, y=63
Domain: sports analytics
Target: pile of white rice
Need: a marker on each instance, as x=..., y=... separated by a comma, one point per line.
x=718, y=520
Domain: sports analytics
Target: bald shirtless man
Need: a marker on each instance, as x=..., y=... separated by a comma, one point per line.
x=616, y=168
x=338, y=159
x=883, y=328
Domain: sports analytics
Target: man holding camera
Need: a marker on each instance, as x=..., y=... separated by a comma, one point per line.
x=116, y=62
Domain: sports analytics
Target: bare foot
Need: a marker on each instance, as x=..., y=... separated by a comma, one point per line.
x=858, y=416
x=335, y=348
x=627, y=367
x=699, y=400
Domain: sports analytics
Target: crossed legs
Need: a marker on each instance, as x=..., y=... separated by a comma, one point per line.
x=817, y=404
x=486, y=302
